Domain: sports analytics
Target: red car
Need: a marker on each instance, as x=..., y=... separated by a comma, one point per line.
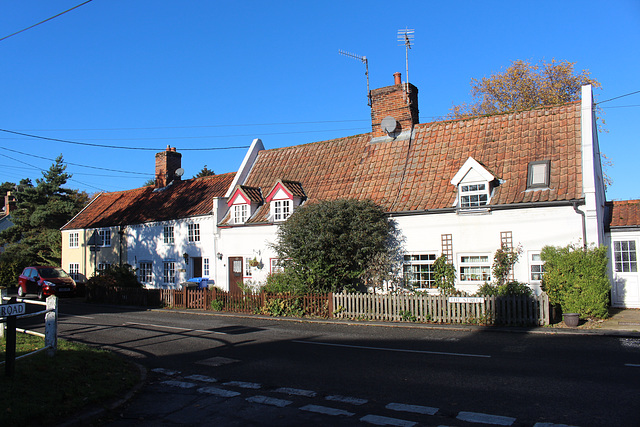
x=45, y=281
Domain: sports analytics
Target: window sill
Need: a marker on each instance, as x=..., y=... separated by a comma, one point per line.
x=474, y=211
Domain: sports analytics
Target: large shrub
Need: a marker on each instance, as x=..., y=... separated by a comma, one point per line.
x=576, y=278
x=115, y=276
x=330, y=246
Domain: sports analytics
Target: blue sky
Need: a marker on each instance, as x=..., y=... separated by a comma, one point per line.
x=203, y=74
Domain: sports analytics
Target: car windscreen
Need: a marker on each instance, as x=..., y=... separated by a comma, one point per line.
x=52, y=272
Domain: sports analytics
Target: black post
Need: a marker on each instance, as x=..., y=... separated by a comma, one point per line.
x=10, y=361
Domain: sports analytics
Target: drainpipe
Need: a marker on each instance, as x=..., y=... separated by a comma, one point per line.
x=584, y=225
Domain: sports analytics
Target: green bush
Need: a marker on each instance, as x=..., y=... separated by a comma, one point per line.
x=115, y=276
x=283, y=283
x=444, y=274
x=576, y=278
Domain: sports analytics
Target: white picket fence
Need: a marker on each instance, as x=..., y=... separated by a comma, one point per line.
x=488, y=310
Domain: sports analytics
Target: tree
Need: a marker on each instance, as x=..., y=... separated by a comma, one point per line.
x=330, y=246
x=524, y=86
x=205, y=172
x=41, y=211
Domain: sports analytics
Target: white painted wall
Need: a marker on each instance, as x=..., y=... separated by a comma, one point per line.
x=625, y=286
x=145, y=243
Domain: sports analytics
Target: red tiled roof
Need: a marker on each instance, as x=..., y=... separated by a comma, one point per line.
x=624, y=213
x=415, y=175
x=181, y=200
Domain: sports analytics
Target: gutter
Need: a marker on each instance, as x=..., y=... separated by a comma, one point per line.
x=572, y=203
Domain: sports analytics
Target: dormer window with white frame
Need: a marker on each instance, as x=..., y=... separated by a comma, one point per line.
x=243, y=203
x=473, y=182
x=240, y=213
x=283, y=198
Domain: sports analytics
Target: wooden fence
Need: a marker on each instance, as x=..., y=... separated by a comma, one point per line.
x=502, y=310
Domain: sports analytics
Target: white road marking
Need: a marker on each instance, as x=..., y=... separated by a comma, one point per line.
x=416, y=409
x=392, y=349
x=271, y=401
x=243, y=384
x=379, y=420
x=165, y=371
x=326, y=410
x=476, y=417
x=201, y=378
x=632, y=365
x=180, y=384
x=296, y=392
x=347, y=399
x=220, y=392
x=551, y=425
x=175, y=328
x=72, y=316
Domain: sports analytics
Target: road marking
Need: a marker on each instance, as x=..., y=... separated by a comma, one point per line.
x=271, y=401
x=347, y=399
x=476, y=417
x=326, y=410
x=216, y=361
x=165, y=371
x=379, y=420
x=416, y=409
x=202, y=378
x=63, y=316
x=551, y=425
x=220, y=392
x=180, y=384
x=632, y=365
x=392, y=349
x=175, y=328
x=296, y=392
x=243, y=384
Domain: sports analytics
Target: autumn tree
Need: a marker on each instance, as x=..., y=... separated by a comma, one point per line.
x=523, y=86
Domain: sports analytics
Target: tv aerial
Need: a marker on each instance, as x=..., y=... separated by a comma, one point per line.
x=405, y=38
x=365, y=61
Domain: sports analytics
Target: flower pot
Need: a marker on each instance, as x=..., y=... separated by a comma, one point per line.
x=571, y=319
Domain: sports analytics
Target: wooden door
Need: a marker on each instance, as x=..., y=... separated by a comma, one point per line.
x=235, y=273
x=197, y=266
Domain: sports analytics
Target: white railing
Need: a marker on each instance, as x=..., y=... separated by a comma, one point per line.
x=50, y=323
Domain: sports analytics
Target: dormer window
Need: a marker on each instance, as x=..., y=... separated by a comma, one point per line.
x=240, y=214
x=474, y=195
x=474, y=185
x=281, y=209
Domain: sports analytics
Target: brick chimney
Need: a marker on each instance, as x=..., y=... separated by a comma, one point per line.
x=9, y=203
x=167, y=162
x=392, y=101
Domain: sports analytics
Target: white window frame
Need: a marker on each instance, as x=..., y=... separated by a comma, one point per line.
x=474, y=268
x=625, y=256
x=275, y=265
x=169, y=272
x=145, y=271
x=282, y=209
x=102, y=266
x=168, y=234
x=74, y=271
x=74, y=240
x=413, y=267
x=247, y=266
x=193, y=233
x=240, y=213
x=536, y=267
x=473, y=190
x=104, y=237
x=538, y=174
x=205, y=267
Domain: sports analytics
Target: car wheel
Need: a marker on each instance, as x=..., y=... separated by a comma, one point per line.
x=20, y=292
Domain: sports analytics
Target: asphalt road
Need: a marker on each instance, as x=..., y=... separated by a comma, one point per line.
x=243, y=371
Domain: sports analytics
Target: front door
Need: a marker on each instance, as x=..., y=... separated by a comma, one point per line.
x=235, y=273
x=197, y=266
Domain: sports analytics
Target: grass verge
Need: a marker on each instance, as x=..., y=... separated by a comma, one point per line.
x=45, y=390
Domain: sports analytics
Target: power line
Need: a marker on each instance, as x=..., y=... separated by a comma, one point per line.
x=618, y=97
x=75, y=164
x=42, y=22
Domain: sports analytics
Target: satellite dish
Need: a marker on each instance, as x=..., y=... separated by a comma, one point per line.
x=179, y=172
x=389, y=124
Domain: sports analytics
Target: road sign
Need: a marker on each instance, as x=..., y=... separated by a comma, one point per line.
x=12, y=309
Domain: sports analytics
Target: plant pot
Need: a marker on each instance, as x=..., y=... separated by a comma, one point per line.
x=571, y=319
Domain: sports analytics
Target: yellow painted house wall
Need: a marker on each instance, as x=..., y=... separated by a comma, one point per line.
x=87, y=260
